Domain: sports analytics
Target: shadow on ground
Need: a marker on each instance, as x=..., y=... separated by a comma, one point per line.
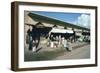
x=45, y=55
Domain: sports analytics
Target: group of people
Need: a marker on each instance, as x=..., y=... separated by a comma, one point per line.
x=58, y=41
x=33, y=39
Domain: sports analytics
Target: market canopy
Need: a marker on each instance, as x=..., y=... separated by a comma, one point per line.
x=56, y=30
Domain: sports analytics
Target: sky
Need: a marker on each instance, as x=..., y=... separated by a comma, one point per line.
x=80, y=19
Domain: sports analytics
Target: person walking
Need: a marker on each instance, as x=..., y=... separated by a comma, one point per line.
x=29, y=37
x=69, y=46
x=66, y=44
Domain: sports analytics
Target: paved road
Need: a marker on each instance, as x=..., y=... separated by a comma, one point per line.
x=78, y=53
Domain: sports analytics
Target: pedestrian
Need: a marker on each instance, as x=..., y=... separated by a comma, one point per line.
x=65, y=43
x=29, y=37
x=33, y=46
x=52, y=41
x=69, y=46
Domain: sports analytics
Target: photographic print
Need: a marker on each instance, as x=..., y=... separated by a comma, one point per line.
x=56, y=35
x=52, y=36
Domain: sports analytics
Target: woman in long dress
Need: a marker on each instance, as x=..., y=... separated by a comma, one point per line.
x=65, y=43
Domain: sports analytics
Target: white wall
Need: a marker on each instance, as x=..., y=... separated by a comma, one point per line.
x=5, y=40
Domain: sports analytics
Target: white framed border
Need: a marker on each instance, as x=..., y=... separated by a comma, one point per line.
x=33, y=64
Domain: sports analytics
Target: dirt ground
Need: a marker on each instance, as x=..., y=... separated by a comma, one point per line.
x=79, y=51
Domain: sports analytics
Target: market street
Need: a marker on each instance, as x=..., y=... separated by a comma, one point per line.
x=78, y=53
